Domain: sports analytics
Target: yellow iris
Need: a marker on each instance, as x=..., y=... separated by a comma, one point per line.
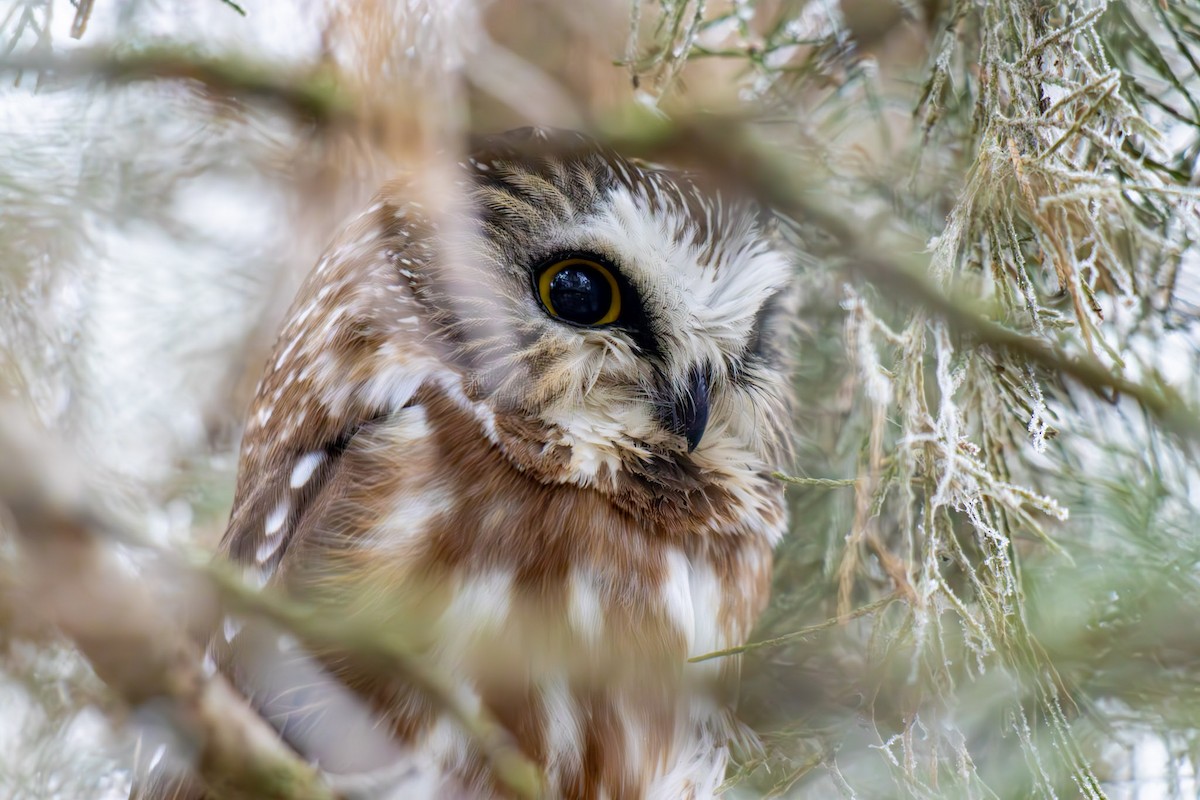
x=581, y=290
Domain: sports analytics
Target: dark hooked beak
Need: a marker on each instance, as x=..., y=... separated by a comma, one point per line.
x=686, y=414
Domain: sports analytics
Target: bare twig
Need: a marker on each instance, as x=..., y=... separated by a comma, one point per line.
x=83, y=12
x=235, y=7
x=803, y=633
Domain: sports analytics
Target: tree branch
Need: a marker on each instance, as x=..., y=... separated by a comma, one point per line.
x=313, y=96
x=67, y=578
x=368, y=645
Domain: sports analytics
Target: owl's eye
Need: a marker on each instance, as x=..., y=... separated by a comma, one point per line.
x=581, y=291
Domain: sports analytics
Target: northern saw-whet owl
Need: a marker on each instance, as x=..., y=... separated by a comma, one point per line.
x=534, y=438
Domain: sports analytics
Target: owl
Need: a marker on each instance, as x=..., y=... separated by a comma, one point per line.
x=532, y=438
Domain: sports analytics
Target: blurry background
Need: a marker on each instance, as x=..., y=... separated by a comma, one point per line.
x=995, y=208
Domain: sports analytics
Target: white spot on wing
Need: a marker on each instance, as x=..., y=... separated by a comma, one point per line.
x=267, y=547
x=287, y=351
x=480, y=606
x=276, y=518
x=159, y=752
x=563, y=730
x=305, y=467
x=585, y=610
x=209, y=664
x=230, y=628
x=273, y=530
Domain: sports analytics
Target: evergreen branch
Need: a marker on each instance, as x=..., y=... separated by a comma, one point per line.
x=1161, y=400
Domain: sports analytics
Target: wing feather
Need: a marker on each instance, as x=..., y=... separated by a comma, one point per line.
x=350, y=359
x=353, y=351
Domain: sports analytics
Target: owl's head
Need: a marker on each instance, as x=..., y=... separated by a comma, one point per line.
x=623, y=318
x=608, y=324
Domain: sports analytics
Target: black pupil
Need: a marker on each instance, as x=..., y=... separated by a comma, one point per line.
x=580, y=294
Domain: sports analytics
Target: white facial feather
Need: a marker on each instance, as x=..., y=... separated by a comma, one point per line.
x=658, y=246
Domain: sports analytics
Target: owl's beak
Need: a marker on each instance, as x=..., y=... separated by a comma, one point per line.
x=687, y=413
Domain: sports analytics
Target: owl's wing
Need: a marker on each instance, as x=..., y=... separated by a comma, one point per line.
x=353, y=352
x=352, y=356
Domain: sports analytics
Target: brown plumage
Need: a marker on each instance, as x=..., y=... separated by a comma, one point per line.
x=555, y=509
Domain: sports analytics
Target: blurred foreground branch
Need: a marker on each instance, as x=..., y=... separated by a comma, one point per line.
x=725, y=147
x=313, y=96
x=69, y=579
x=375, y=649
